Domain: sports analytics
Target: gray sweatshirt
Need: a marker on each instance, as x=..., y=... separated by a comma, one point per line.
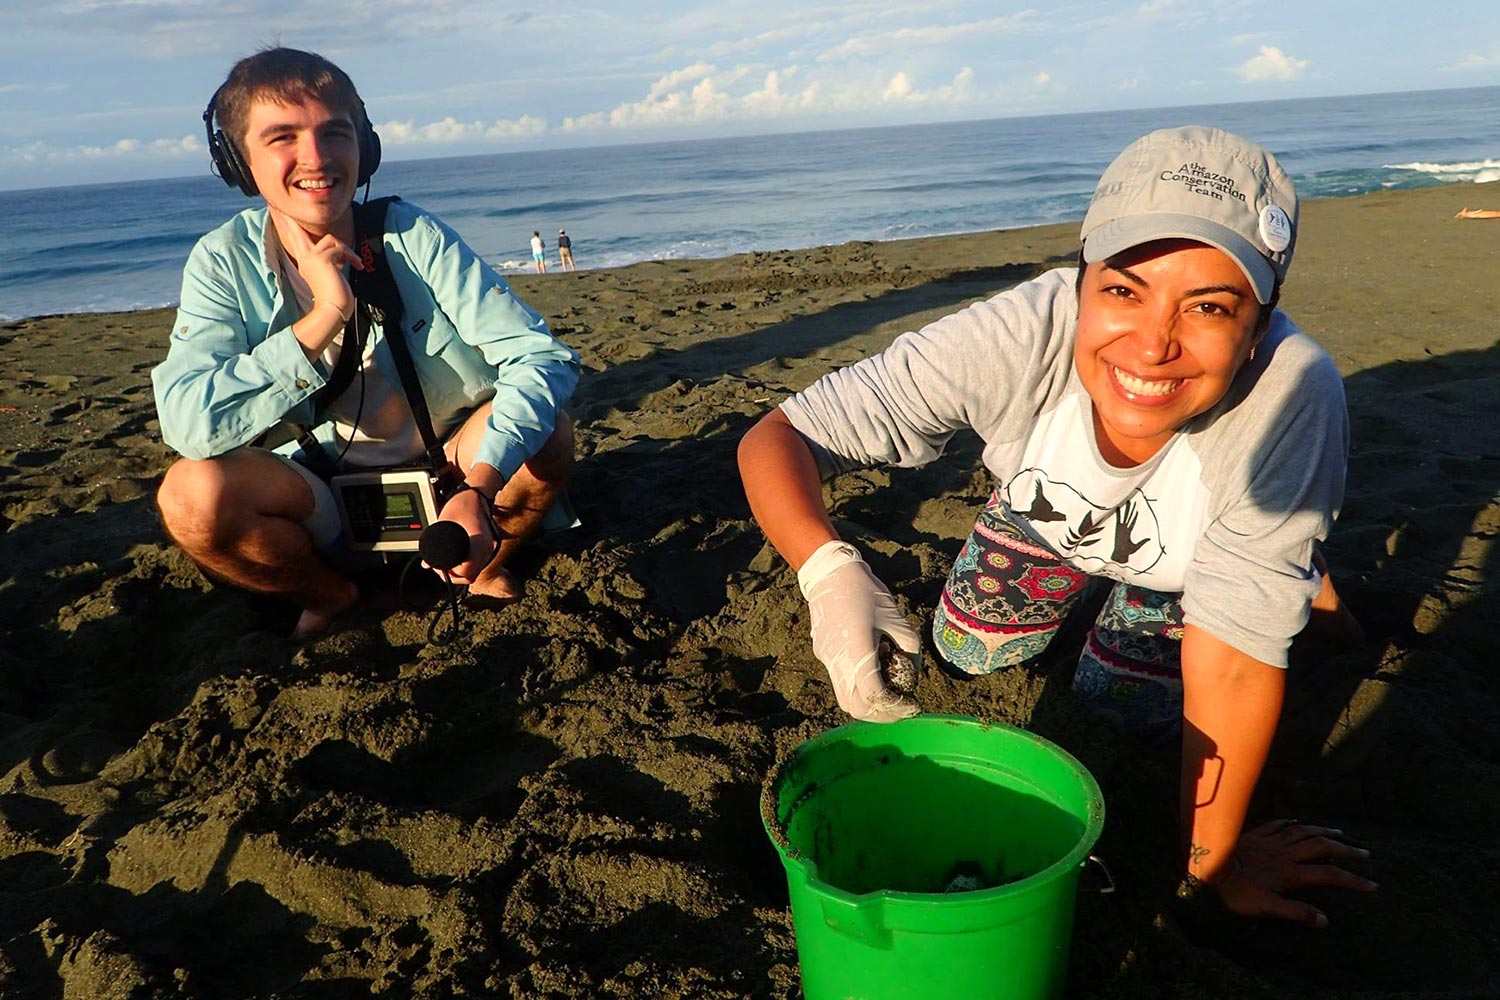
x=1226, y=513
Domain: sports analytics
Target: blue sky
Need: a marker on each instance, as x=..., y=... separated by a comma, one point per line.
x=105, y=90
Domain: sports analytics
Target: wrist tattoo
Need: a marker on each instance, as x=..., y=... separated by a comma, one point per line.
x=1196, y=855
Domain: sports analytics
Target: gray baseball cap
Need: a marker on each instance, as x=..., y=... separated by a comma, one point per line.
x=1201, y=184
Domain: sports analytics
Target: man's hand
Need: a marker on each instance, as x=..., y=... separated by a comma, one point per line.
x=1281, y=856
x=472, y=510
x=851, y=610
x=321, y=264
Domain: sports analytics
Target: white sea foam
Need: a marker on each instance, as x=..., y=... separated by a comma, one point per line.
x=692, y=248
x=1472, y=171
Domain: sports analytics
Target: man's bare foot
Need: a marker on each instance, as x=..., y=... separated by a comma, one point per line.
x=315, y=621
x=494, y=590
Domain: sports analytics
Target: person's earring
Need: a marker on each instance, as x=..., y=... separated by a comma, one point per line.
x=1252, y=353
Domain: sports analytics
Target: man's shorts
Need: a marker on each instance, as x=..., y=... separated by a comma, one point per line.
x=326, y=528
x=324, y=525
x=1007, y=596
x=538, y=257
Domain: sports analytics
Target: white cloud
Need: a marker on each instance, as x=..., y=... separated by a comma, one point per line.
x=701, y=93
x=1041, y=79
x=1477, y=61
x=450, y=130
x=39, y=152
x=591, y=122
x=777, y=37
x=704, y=100
x=1272, y=64
x=901, y=91
x=25, y=88
x=899, y=88
x=705, y=94
x=903, y=40
x=664, y=86
x=771, y=99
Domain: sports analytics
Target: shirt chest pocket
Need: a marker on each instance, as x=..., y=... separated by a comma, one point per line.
x=450, y=369
x=428, y=331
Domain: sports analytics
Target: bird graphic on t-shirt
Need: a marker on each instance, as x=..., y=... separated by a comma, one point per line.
x=1041, y=508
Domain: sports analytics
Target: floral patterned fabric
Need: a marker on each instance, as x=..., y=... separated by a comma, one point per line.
x=1006, y=597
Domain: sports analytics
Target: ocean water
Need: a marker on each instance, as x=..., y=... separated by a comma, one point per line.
x=122, y=246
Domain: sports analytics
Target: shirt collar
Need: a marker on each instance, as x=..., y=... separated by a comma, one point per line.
x=279, y=262
x=271, y=245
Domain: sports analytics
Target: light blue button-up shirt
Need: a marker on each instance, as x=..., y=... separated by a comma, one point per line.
x=234, y=370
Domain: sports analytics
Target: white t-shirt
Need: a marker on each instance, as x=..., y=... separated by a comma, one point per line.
x=1226, y=513
x=372, y=410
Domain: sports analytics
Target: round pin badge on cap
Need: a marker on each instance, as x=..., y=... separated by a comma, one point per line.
x=1275, y=228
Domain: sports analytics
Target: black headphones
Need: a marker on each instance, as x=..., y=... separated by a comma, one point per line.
x=231, y=167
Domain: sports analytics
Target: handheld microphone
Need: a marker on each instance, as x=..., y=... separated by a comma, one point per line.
x=444, y=544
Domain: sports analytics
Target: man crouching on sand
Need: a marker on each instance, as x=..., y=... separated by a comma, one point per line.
x=266, y=309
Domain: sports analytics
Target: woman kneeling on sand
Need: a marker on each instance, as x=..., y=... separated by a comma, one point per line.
x=1150, y=418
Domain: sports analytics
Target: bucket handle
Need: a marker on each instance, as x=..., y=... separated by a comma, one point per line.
x=860, y=920
x=1109, y=878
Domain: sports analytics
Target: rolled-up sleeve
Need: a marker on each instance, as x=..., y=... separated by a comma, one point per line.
x=534, y=373
x=1251, y=582
x=220, y=387
x=990, y=368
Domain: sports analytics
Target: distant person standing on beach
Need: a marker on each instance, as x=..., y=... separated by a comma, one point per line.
x=565, y=251
x=269, y=324
x=1151, y=420
x=538, y=253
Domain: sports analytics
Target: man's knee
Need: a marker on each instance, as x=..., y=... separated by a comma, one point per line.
x=191, y=501
x=206, y=503
x=554, y=462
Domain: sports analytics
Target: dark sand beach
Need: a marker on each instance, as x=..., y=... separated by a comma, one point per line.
x=563, y=802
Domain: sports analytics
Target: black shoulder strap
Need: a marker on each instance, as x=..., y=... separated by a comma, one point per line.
x=380, y=300
x=357, y=327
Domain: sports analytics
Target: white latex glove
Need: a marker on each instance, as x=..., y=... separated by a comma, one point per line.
x=851, y=612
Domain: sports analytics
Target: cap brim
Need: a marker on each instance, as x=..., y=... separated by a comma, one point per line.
x=1116, y=237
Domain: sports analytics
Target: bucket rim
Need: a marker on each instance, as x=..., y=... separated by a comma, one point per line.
x=1076, y=857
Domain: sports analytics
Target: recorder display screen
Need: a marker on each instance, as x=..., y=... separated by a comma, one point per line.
x=401, y=510
x=379, y=511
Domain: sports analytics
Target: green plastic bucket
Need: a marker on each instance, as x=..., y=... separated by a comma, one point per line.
x=873, y=822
